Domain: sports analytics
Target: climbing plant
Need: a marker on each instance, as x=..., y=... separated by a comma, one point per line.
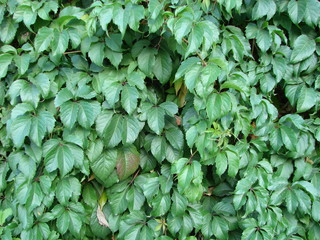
x=159, y=119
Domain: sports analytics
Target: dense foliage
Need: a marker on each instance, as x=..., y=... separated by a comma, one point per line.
x=159, y=119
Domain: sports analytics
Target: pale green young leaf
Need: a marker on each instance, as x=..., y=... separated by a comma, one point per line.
x=181, y=28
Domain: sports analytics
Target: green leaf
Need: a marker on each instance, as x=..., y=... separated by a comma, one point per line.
x=43, y=83
x=161, y=204
x=131, y=129
x=58, y=156
x=120, y=18
x=179, y=204
x=63, y=96
x=20, y=128
x=104, y=165
x=289, y=137
x=218, y=105
x=312, y=13
x=113, y=133
x=88, y=112
x=114, y=57
x=136, y=14
x=43, y=39
x=307, y=99
x=5, y=60
x=96, y=53
x=127, y=161
x=220, y=227
x=69, y=112
x=60, y=42
x=146, y=60
x=175, y=137
x=303, y=47
x=181, y=28
x=170, y=107
x=155, y=119
x=192, y=76
x=22, y=63
x=8, y=29
x=195, y=39
x=221, y=163
x=163, y=66
x=296, y=10
x=105, y=16
x=264, y=8
x=129, y=98
x=158, y=148
x=276, y=139
x=41, y=124
x=185, y=66
x=63, y=222
x=233, y=163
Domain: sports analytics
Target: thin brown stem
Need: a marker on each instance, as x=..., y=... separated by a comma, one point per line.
x=71, y=52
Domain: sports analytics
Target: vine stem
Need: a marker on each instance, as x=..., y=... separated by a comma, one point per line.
x=76, y=51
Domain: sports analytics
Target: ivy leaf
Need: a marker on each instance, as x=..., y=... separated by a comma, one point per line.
x=5, y=60
x=88, y=112
x=218, y=105
x=58, y=156
x=136, y=14
x=60, y=42
x=296, y=10
x=195, y=39
x=20, y=128
x=158, y=148
x=146, y=60
x=41, y=124
x=131, y=129
x=175, y=137
x=155, y=119
x=105, y=16
x=163, y=66
x=105, y=165
x=69, y=112
x=181, y=28
x=289, y=137
x=127, y=161
x=43, y=39
x=179, y=204
x=303, y=47
x=129, y=98
x=161, y=204
x=221, y=163
x=8, y=30
x=307, y=99
x=113, y=133
x=63, y=96
x=22, y=62
x=96, y=53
